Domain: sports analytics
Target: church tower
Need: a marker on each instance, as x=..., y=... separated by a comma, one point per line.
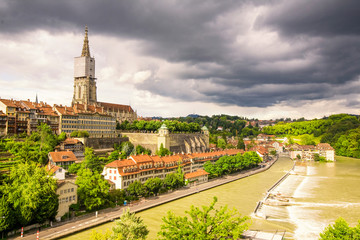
x=84, y=76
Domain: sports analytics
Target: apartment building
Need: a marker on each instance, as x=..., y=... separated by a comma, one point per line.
x=142, y=167
x=82, y=117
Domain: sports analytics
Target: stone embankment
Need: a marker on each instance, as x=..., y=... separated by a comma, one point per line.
x=90, y=220
x=280, y=200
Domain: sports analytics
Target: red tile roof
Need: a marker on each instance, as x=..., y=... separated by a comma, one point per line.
x=198, y=173
x=65, y=156
x=71, y=141
x=141, y=158
x=324, y=146
x=121, y=163
x=10, y=103
x=112, y=107
x=52, y=169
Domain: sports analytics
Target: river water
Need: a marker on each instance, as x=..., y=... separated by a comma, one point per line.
x=320, y=193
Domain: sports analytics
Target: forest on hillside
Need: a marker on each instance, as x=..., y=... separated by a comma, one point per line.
x=341, y=131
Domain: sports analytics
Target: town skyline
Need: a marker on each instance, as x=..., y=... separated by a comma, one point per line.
x=253, y=59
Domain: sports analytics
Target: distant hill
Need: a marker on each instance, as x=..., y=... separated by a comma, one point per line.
x=193, y=115
x=341, y=131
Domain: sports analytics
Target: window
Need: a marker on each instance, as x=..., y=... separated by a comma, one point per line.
x=61, y=191
x=65, y=191
x=67, y=199
x=74, y=198
x=110, y=171
x=72, y=190
x=114, y=177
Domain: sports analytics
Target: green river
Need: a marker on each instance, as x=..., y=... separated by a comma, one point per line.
x=320, y=193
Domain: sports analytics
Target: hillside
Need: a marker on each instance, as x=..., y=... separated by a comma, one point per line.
x=341, y=131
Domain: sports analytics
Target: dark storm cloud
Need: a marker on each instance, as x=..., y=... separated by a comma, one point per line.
x=324, y=18
x=314, y=56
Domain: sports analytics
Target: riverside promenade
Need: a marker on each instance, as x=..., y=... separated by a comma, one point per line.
x=90, y=220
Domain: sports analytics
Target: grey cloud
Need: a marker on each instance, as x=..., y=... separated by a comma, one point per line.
x=189, y=32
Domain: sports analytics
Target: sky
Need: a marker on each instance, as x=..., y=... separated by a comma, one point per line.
x=252, y=58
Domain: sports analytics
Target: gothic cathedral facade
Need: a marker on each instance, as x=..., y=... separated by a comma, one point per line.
x=85, y=86
x=84, y=76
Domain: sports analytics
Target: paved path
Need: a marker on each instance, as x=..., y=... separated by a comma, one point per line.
x=108, y=215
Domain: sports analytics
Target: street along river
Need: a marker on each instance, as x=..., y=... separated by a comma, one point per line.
x=319, y=193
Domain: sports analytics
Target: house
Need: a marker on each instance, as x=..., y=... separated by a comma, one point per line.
x=261, y=151
x=63, y=158
x=74, y=145
x=198, y=177
x=67, y=192
x=307, y=152
x=56, y=171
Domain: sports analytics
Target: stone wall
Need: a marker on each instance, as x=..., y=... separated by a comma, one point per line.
x=177, y=142
x=188, y=142
x=147, y=140
x=102, y=143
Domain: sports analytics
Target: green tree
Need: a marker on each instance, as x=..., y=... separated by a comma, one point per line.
x=7, y=216
x=62, y=137
x=129, y=227
x=100, y=236
x=153, y=185
x=318, y=158
x=136, y=189
x=32, y=194
x=204, y=223
x=174, y=180
x=340, y=230
x=141, y=150
x=93, y=189
x=221, y=143
x=74, y=168
x=91, y=161
x=126, y=149
x=241, y=144
x=163, y=151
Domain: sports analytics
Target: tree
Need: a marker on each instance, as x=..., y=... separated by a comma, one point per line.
x=62, y=137
x=7, y=218
x=32, y=194
x=318, y=158
x=153, y=185
x=99, y=236
x=93, y=189
x=174, y=180
x=91, y=161
x=163, y=151
x=241, y=144
x=204, y=223
x=140, y=149
x=340, y=230
x=126, y=149
x=74, y=168
x=136, y=188
x=221, y=143
x=129, y=227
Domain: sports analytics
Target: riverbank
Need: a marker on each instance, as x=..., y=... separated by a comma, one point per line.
x=269, y=192
x=111, y=214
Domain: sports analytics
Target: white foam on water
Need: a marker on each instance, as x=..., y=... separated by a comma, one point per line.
x=339, y=205
x=307, y=227
x=310, y=170
x=303, y=190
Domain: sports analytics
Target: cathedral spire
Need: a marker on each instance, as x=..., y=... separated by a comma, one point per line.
x=86, y=49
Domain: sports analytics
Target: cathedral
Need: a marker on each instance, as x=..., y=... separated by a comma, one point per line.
x=85, y=86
